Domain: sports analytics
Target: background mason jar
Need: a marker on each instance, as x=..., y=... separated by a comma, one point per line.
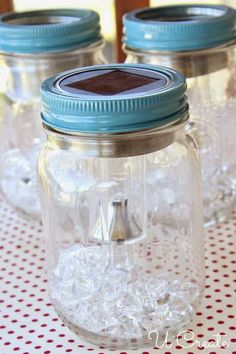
x=199, y=41
x=33, y=46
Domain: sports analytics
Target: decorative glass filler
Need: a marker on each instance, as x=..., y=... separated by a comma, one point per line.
x=33, y=46
x=121, y=203
x=199, y=41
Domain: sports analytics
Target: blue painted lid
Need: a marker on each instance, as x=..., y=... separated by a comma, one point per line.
x=179, y=28
x=48, y=30
x=113, y=98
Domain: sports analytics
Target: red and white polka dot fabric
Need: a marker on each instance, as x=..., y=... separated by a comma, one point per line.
x=29, y=325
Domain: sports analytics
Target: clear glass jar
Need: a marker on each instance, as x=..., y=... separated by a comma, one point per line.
x=29, y=53
x=121, y=202
x=209, y=63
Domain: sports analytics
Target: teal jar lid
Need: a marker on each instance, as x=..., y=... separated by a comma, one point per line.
x=179, y=28
x=48, y=30
x=113, y=98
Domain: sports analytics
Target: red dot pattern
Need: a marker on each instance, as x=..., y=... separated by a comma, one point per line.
x=29, y=324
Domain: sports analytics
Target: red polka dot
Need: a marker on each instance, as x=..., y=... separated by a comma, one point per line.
x=36, y=309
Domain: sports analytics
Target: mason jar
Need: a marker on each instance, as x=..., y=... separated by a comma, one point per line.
x=121, y=203
x=33, y=46
x=199, y=41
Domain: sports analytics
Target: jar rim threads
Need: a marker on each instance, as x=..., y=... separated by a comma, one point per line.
x=179, y=28
x=48, y=30
x=118, y=104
